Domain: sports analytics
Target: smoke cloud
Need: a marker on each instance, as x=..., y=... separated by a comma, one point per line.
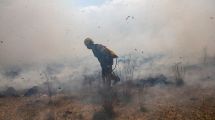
x=34, y=33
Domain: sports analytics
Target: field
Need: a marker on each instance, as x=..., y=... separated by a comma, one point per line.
x=130, y=102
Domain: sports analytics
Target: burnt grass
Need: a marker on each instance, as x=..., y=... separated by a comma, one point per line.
x=153, y=98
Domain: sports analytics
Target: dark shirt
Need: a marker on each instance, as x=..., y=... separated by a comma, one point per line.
x=103, y=55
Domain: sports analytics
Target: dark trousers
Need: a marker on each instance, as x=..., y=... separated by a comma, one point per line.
x=108, y=75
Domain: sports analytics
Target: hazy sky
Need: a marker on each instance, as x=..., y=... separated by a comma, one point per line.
x=37, y=31
x=85, y=3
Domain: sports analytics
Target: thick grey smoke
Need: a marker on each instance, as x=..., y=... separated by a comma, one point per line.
x=38, y=32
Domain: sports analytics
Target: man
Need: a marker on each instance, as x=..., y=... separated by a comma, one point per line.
x=105, y=57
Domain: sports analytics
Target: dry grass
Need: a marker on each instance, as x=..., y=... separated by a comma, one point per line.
x=184, y=103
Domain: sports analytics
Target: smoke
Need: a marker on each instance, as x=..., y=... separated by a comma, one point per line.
x=178, y=28
x=37, y=33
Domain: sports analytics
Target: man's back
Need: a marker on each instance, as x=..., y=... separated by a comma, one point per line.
x=103, y=54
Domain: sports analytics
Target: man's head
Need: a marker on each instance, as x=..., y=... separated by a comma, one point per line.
x=89, y=43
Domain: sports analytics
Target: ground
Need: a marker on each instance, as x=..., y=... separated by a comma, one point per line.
x=132, y=103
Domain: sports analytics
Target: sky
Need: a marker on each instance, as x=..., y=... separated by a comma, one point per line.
x=43, y=30
x=38, y=32
x=85, y=3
